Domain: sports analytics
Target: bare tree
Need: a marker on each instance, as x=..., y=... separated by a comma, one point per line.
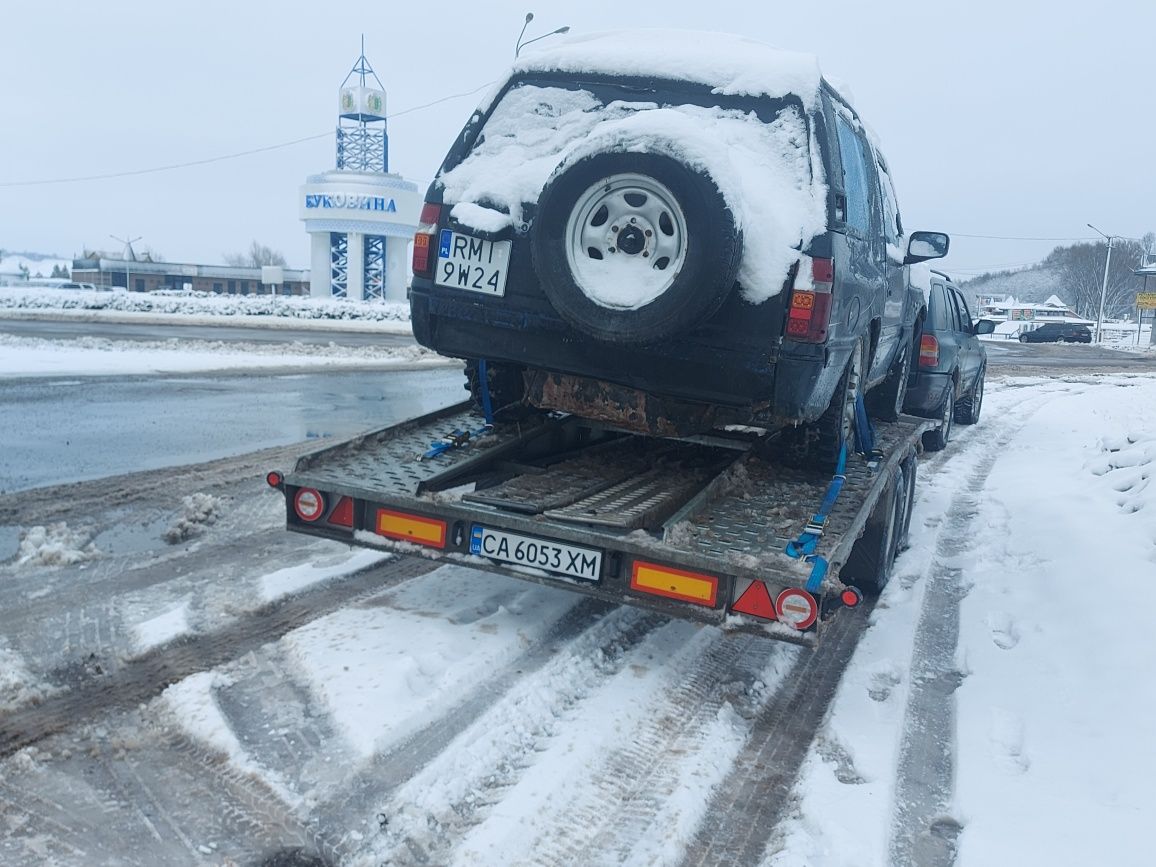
x=257, y=256
x=1081, y=267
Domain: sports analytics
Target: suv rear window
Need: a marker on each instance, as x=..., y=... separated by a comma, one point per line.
x=538, y=124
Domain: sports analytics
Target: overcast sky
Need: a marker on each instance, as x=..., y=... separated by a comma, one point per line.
x=998, y=117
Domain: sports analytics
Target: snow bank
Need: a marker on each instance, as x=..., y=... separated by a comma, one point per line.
x=283, y=308
x=197, y=511
x=294, y=579
x=55, y=545
x=92, y=356
x=17, y=685
x=163, y=628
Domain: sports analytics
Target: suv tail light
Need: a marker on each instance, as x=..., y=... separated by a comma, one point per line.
x=809, y=315
x=423, y=241
x=928, y=351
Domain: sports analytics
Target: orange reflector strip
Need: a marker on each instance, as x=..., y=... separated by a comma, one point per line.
x=674, y=583
x=755, y=601
x=342, y=514
x=411, y=528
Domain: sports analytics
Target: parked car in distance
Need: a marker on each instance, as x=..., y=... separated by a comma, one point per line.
x=1058, y=332
x=947, y=383
x=671, y=232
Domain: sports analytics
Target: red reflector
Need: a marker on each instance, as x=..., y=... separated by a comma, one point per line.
x=928, y=351
x=342, y=514
x=823, y=271
x=755, y=601
x=851, y=597
x=309, y=504
x=274, y=479
x=423, y=241
x=797, y=608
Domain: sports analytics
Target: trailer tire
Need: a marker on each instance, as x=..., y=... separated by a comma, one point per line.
x=909, y=468
x=869, y=566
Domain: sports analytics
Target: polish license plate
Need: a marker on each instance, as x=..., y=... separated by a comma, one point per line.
x=582, y=563
x=465, y=262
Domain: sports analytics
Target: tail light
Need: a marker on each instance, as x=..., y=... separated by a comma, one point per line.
x=423, y=241
x=809, y=314
x=928, y=351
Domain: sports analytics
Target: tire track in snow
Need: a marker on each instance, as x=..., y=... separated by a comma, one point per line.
x=635, y=790
x=91, y=692
x=923, y=831
x=429, y=815
x=748, y=804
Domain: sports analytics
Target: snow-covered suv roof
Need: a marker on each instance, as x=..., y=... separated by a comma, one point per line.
x=731, y=65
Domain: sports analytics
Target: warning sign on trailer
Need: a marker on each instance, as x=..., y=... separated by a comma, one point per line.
x=797, y=608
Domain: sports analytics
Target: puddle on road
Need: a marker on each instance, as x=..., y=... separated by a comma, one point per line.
x=9, y=543
x=134, y=537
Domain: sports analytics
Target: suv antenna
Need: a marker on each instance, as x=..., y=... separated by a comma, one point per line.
x=520, y=44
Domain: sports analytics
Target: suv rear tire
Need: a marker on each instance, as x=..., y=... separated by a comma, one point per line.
x=815, y=446
x=885, y=401
x=642, y=212
x=967, y=408
x=936, y=440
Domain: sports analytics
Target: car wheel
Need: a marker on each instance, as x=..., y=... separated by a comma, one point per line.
x=634, y=247
x=507, y=390
x=885, y=401
x=967, y=408
x=1023, y=338
x=1060, y=340
x=936, y=440
x=816, y=445
x=869, y=564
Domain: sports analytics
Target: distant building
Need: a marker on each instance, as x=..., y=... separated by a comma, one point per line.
x=144, y=276
x=1006, y=308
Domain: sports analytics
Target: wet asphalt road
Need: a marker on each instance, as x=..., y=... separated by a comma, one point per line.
x=1063, y=356
x=72, y=429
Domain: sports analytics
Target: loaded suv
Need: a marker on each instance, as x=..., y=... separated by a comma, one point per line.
x=671, y=232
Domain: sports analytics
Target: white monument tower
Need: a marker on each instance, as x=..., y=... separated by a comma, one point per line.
x=360, y=218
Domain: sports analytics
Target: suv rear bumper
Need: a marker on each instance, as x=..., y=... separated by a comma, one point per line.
x=752, y=383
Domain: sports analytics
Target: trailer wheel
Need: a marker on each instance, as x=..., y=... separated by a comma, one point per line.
x=869, y=566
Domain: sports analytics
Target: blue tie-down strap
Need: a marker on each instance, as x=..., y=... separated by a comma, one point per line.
x=804, y=547
x=455, y=440
x=484, y=388
x=864, y=431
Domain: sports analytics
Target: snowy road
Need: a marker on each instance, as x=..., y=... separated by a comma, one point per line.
x=185, y=683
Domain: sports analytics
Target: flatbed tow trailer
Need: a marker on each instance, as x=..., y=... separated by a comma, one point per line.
x=705, y=528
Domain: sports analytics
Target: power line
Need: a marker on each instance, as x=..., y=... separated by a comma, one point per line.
x=223, y=157
x=1014, y=237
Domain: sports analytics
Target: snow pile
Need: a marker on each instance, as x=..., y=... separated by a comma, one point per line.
x=163, y=628
x=768, y=173
x=17, y=685
x=198, y=511
x=732, y=65
x=277, y=307
x=55, y=545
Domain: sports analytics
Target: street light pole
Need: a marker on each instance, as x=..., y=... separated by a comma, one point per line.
x=1104, y=286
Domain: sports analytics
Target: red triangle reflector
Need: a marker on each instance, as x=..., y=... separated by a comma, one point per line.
x=342, y=514
x=755, y=601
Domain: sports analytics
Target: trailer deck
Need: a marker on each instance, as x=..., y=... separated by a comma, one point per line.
x=684, y=526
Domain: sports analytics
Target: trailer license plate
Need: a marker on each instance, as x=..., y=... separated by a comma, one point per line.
x=581, y=563
x=465, y=262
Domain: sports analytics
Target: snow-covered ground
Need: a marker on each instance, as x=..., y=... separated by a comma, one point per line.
x=1000, y=695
